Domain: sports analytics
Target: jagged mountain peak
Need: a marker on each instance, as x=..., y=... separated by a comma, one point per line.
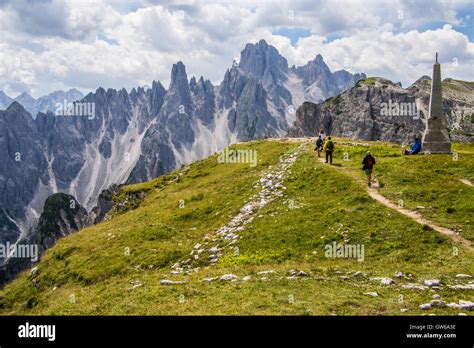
x=3, y=94
x=5, y=100
x=100, y=91
x=201, y=83
x=204, y=82
x=262, y=45
x=156, y=85
x=24, y=96
x=111, y=91
x=263, y=61
x=178, y=74
x=157, y=94
x=73, y=90
x=179, y=93
x=136, y=90
x=16, y=107
x=28, y=102
x=318, y=59
x=313, y=70
x=60, y=93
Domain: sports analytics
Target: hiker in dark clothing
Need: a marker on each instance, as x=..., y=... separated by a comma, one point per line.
x=368, y=163
x=322, y=134
x=329, y=148
x=319, y=146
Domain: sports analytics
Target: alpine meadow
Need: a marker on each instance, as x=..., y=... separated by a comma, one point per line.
x=226, y=164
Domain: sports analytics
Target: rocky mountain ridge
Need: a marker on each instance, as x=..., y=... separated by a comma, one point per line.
x=378, y=109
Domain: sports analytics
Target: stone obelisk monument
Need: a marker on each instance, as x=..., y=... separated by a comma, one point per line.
x=436, y=137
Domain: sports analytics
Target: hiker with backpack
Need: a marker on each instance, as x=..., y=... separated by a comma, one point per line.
x=368, y=164
x=319, y=146
x=329, y=148
x=322, y=135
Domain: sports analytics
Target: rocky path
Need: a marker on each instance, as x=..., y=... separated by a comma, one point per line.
x=419, y=219
x=210, y=249
x=374, y=194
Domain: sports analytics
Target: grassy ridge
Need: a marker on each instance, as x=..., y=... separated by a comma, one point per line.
x=320, y=206
x=432, y=182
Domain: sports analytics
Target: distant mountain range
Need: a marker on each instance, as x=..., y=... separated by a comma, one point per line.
x=137, y=135
x=42, y=104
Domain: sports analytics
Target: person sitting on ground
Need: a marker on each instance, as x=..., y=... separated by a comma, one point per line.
x=319, y=146
x=414, y=148
x=368, y=163
x=329, y=148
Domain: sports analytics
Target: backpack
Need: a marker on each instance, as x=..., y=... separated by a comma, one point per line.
x=370, y=162
x=319, y=143
x=330, y=146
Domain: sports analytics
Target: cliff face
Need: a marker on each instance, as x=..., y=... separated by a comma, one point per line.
x=62, y=215
x=378, y=109
x=458, y=104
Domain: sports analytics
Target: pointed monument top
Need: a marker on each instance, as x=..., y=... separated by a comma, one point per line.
x=436, y=138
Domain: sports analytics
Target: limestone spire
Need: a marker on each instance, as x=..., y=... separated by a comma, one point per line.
x=436, y=137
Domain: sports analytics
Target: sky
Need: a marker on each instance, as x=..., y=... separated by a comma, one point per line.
x=86, y=44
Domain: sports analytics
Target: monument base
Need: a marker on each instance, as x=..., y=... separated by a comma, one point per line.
x=436, y=147
x=436, y=137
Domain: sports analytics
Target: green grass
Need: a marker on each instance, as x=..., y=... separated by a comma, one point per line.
x=431, y=181
x=370, y=81
x=320, y=206
x=453, y=86
x=459, y=85
x=332, y=100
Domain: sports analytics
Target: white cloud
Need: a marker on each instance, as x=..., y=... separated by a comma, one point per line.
x=400, y=57
x=87, y=44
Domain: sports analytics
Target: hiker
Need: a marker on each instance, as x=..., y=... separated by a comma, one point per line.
x=368, y=163
x=329, y=148
x=319, y=146
x=414, y=148
x=322, y=134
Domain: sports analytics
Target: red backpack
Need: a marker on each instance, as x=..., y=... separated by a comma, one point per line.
x=370, y=162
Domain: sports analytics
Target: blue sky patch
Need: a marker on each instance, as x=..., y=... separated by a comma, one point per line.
x=292, y=33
